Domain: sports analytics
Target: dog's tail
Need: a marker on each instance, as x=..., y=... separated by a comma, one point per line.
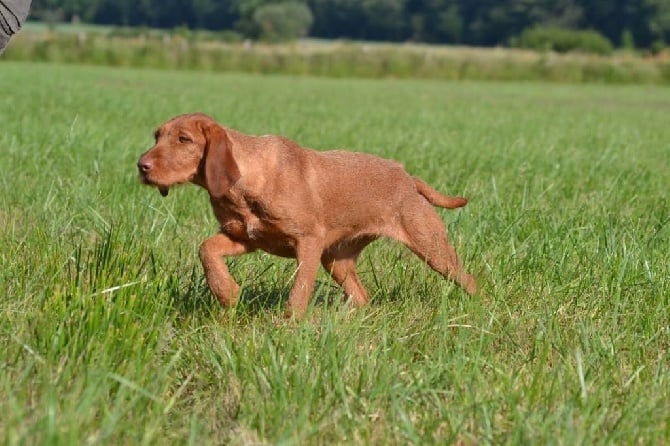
x=437, y=199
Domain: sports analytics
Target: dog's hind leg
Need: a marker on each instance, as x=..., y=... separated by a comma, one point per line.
x=343, y=271
x=424, y=233
x=340, y=262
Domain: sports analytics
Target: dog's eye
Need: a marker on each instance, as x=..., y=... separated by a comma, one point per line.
x=184, y=139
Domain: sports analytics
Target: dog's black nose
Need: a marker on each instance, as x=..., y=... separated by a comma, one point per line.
x=144, y=166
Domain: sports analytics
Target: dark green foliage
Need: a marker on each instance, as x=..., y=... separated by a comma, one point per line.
x=563, y=40
x=283, y=21
x=466, y=22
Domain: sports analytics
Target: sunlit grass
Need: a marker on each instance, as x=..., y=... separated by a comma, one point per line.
x=110, y=335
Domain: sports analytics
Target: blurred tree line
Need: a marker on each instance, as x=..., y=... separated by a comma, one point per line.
x=628, y=23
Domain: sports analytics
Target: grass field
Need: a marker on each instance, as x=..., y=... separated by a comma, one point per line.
x=110, y=336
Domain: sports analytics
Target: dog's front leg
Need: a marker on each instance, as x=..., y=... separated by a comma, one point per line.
x=216, y=272
x=308, y=254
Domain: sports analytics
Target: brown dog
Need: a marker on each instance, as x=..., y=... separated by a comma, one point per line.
x=269, y=193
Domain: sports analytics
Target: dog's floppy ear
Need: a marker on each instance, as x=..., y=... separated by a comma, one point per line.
x=221, y=170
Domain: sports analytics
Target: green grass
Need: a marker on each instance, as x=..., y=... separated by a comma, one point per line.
x=110, y=336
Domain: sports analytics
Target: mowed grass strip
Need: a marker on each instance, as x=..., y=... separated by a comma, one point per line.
x=110, y=335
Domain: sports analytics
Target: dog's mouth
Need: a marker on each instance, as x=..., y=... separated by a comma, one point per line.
x=162, y=189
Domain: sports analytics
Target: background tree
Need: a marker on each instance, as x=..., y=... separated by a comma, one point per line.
x=361, y=19
x=283, y=21
x=471, y=22
x=615, y=17
x=659, y=22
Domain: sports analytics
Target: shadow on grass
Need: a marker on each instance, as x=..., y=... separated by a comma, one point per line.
x=190, y=296
x=265, y=287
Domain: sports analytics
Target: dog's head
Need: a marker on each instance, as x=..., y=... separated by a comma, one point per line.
x=190, y=148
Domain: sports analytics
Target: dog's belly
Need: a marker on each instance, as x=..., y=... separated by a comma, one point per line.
x=259, y=235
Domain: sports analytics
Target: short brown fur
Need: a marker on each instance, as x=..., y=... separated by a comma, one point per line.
x=269, y=193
